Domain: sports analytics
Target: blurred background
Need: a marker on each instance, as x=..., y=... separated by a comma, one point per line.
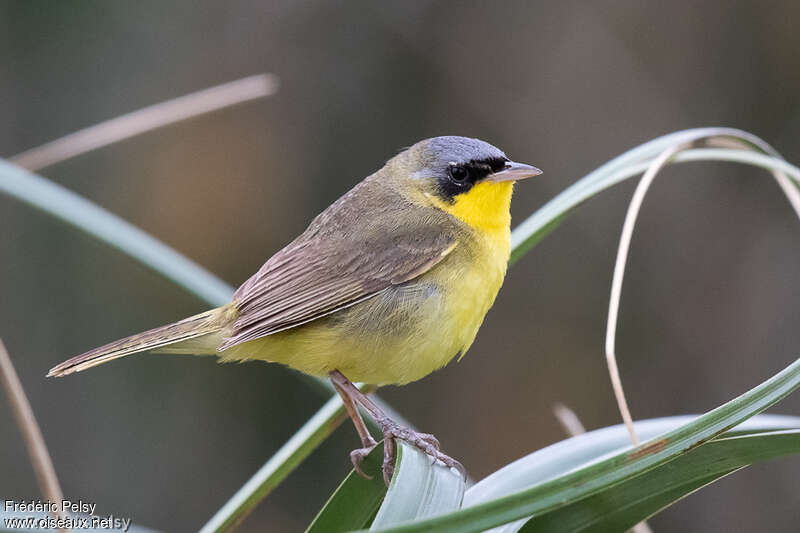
x=710, y=303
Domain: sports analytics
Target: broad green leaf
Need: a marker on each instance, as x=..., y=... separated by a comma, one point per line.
x=601, y=475
x=418, y=489
x=637, y=498
x=576, y=452
x=354, y=503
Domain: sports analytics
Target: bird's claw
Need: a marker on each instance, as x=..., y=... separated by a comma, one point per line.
x=357, y=457
x=425, y=442
x=388, y=458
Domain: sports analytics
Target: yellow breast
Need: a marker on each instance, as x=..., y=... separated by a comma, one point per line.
x=475, y=276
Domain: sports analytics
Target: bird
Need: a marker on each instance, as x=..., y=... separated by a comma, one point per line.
x=388, y=284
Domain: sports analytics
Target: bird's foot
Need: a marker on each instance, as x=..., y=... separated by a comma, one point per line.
x=425, y=442
x=351, y=396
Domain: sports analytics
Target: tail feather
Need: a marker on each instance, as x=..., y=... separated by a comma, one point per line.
x=204, y=345
x=211, y=322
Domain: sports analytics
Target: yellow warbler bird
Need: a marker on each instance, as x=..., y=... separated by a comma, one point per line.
x=386, y=285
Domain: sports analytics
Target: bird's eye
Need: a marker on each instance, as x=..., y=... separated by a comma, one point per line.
x=459, y=173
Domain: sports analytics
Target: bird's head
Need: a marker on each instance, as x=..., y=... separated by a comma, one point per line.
x=468, y=178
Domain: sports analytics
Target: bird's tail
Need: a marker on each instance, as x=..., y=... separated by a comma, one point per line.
x=210, y=324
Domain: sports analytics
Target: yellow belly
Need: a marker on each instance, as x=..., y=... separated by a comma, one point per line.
x=402, y=334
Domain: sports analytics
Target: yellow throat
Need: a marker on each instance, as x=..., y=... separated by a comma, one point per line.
x=486, y=208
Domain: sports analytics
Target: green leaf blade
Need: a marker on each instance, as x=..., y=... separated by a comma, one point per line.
x=355, y=502
x=579, y=451
x=419, y=489
x=576, y=485
x=638, y=498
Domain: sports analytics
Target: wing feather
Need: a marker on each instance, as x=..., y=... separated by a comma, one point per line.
x=347, y=254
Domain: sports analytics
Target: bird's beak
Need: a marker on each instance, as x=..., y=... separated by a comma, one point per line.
x=513, y=172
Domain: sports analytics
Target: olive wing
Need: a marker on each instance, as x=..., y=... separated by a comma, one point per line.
x=316, y=276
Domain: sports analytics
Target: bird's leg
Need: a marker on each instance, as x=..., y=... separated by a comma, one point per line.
x=391, y=429
x=368, y=443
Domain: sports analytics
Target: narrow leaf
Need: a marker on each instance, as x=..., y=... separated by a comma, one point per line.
x=419, y=489
x=354, y=503
x=302, y=443
x=638, y=498
x=577, y=452
x=596, y=477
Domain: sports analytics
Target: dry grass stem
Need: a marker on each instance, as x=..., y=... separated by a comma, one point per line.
x=569, y=421
x=23, y=414
x=146, y=119
x=722, y=138
x=788, y=187
x=616, y=284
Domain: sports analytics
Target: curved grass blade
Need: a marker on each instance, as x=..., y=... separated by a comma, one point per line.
x=417, y=490
x=730, y=140
x=599, y=476
x=659, y=502
x=356, y=501
x=631, y=163
x=80, y=213
x=147, y=119
x=638, y=498
x=576, y=452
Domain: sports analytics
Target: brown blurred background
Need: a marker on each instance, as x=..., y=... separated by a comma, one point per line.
x=710, y=305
